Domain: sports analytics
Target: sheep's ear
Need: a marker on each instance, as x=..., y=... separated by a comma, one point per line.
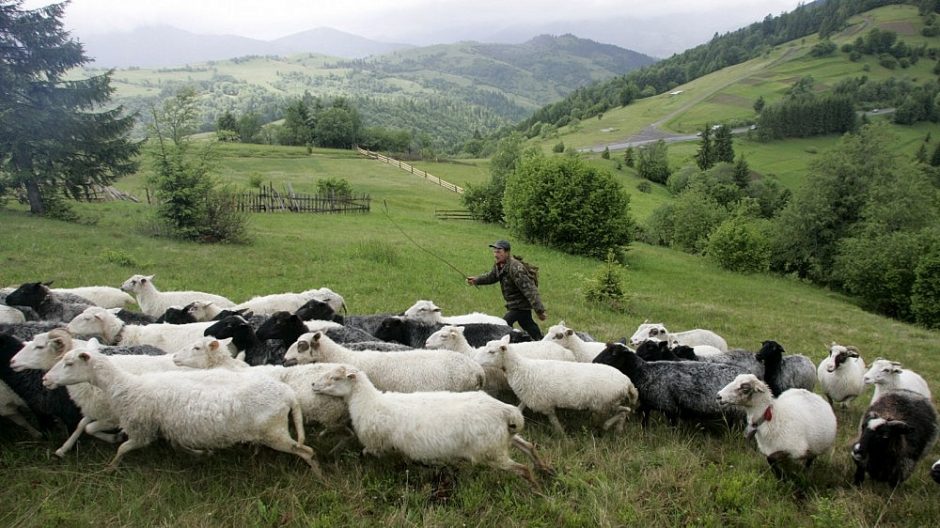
x=317, y=336
x=561, y=323
x=746, y=388
x=646, y=321
x=569, y=332
x=899, y=426
x=504, y=339
x=58, y=344
x=47, y=284
x=84, y=356
x=852, y=351
x=459, y=329
x=303, y=346
x=503, y=348
x=351, y=375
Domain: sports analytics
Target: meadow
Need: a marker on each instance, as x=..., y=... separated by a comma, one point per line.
x=385, y=260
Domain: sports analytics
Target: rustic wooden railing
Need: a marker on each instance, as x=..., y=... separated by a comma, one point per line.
x=410, y=168
x=268, y=200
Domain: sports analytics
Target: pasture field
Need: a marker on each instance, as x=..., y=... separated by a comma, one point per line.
x=663, y=476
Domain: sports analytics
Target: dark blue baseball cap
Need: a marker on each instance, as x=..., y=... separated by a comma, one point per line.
x=500, y=244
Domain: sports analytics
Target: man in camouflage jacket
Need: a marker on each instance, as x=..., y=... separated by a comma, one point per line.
x=519, y=290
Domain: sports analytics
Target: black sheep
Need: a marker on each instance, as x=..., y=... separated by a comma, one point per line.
x=47, y=405
x=414, y=333
x=785, y=372
x=287, y=327
x=244, y=338
x=678, y=389
x=49, y=306
x=896, y=431
x=319, y=310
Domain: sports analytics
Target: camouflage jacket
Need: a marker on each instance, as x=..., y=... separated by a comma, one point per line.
x=518, y=289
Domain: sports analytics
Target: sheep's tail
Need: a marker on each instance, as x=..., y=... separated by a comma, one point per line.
x=298, y=417
x=514, y=419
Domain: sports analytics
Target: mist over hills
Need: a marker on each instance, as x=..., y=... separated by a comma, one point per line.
x=162, y=46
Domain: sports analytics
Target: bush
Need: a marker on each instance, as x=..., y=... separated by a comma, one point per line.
x=680, y=180
x=695, y=216
x=606, y=287
x=255, y=180
x=925, y=295
x=559, y=147
x=606, y=153
x=338, y=187
x=644, y=187
x=564, y=203
x=223, y=221
x=740, y=244
x=660, y=225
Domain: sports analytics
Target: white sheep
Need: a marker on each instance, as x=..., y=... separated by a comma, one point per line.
x=103, y=296
x=46, y=349
x=154, y=302
x=210, y=353
x=10, y=315
x=328, y=296
x=106, y=326
x=405, y=371
x=429, y=312
x=797, y=425
x=544, y=385
x=432, y=427
x=690, y=338
x=196, y=410
x=203, y=311
x=841, y=374
x=889, y=375
x=585, y=351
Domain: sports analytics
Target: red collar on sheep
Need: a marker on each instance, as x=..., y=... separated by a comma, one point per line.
x=766, y=417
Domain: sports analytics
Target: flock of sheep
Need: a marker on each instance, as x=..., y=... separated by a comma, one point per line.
x=205, y=373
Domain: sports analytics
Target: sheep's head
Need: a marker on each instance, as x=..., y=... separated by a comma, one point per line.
x=204, y=353
x=882, y=371
x=74, y=367
x=30, y=294
x=305, y=349
x=231, y=326
x=316, y=309
x=770, y=351
x=743, y=391
x=43, y=351
x=647, y=331
x=617, y=355
x=176, y=315
x=137, y=283
x=447, y=337
x=840, y=354
x=424, y=311
x=330, y=297
x=339, y=381
x=879, y=435
x=281, y=325
x=493, y=354
x=92, y=321
x=201, y=310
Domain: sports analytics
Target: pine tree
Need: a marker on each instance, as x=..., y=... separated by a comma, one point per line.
x=921, y=155
x=935, y=157
x=705, y=156
x=606, y=153
x=742, y=173
x=723, y=145
x=628, y=157
x=55, y=139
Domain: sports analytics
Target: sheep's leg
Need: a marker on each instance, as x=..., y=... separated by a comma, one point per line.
x=129, y=445
x=20, y=420
x=282, y=441
x=529, y=449
x=859, y=474
x=519, y=469
x=809, y=461
x=70, y=442
x=552, y=417
x=619, y=418
x=95, y=428
x=774, y=460
x=298, y=416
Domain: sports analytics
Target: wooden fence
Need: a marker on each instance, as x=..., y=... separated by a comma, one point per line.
x=410, y=168
x=269, y=200
x=452, y=214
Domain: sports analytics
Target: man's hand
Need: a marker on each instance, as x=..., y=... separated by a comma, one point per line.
x=472, y=281
x=541, y=315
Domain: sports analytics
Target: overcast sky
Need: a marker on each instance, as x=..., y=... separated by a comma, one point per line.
x=418, y=22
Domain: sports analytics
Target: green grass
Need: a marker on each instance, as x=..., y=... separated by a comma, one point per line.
x=663, y=476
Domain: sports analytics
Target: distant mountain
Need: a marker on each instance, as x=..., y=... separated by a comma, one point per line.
x=446, y=91
x=163, y=46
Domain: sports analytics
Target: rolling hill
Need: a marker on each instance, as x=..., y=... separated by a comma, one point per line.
x=446, y=91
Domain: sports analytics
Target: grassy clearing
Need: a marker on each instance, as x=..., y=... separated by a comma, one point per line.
x=662, y=476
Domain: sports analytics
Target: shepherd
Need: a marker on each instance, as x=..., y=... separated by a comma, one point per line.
x=519, y=287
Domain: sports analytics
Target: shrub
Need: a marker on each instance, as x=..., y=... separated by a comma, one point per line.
x=606, y=287
x=695, y=216
x=255, y=180
x=338, y=187
x=223, y=221
x=740, y=244
x=644, y=187
x=559, y=147
x=564, y=203
x=606, y=153
x=653, y=163
x=660, y=225
x=925, y=295
x=680, y=180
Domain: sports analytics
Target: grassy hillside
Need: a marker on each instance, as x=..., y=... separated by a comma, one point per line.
x=447, y=91
x=665, y=475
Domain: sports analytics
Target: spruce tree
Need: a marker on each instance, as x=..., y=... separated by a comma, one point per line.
x=722, y=146
x=935, y=157
x=705, y=156
x=55, y=137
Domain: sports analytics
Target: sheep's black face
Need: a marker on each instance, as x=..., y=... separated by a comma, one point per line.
x=315, y=309
x=769, y=351
x=684, y=352
x=229, y=327
x=391, y=329
x=30, y=294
